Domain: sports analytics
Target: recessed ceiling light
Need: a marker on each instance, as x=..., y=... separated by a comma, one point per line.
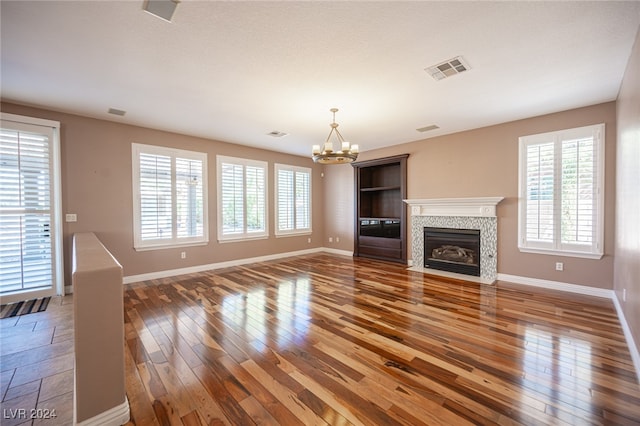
x=448, y=68
x=119, y=112
x=427, y=128
x=277, y=134
x=163, y=9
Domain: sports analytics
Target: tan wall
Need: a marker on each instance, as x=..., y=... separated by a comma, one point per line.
x=483, y=163
x=339, y=206
x=627, y=260
x=96, y=185
x=96, y=162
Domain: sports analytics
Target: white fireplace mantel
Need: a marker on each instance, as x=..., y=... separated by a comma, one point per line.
x=472, y=207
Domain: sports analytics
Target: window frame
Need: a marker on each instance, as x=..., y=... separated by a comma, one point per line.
x=594, y=250
x=295, y=231
x=245, y=235
x=175, y=241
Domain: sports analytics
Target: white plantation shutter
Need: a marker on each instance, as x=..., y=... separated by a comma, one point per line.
x=29, y=240
x=579, y=194
x=561, y=192
x=25, y=250
x=256, y=206
x=286, y=200
x=155, y=197
x=540, y=193
x=189, y=198
x=169, y=197
x=242, y=198
x=293, y=199
x=232, y=196
x=303, y=200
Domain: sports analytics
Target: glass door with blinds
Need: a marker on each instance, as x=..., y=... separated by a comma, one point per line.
x=30, y=225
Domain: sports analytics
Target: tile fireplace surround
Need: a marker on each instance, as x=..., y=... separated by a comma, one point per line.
x=461, y=213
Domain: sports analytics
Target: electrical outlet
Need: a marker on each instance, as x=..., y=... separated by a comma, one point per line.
x=71, y=217
x=330, y=239
x=183, y=255
x=559, y=266
x=309, y=240
x=337, y=239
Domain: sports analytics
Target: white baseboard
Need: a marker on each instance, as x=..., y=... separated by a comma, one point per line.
x=557, y=285
x=200, y=268
x=633, y=348
x=590, y=291
x=118, y=415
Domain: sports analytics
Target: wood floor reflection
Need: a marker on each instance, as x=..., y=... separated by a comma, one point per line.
x=325, y=339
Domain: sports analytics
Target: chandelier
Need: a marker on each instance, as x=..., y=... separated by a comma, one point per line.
x=346, y=153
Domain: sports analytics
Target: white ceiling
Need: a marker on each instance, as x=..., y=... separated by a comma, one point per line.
x=235, y=71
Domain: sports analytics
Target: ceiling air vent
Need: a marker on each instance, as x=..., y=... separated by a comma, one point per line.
x=163, y=9
x=427, y=128
x=115, y=111
x=448, y=68
x=277, y=134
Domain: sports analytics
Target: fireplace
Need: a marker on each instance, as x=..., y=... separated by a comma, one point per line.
x=452, y=250
x=457, y=213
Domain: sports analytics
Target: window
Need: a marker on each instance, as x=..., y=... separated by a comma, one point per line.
x=561, y=208
x=169, y=197
x=242, y=199
x=293, y=200
x=31, y=231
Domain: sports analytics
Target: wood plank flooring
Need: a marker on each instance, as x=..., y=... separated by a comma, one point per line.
x=325, y=339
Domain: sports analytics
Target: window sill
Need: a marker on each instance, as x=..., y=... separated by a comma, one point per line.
x=551, y=252
x=240, y=239
x=172, y=245
x=293, y=234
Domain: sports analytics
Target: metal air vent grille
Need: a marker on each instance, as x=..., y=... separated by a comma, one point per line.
x=448, y=68
x=428, y=128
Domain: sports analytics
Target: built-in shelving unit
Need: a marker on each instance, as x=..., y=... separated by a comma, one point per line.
x=380, y=228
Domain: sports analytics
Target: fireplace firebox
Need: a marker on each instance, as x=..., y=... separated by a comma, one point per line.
x=453, y=250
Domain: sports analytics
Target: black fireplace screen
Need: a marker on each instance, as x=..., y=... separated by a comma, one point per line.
x=453, y=250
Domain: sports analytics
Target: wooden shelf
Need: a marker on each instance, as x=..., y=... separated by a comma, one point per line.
x=380, y=191
x=380, y=218
x=379, y=188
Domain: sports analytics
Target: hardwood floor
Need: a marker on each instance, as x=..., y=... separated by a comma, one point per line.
x=325, y=339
